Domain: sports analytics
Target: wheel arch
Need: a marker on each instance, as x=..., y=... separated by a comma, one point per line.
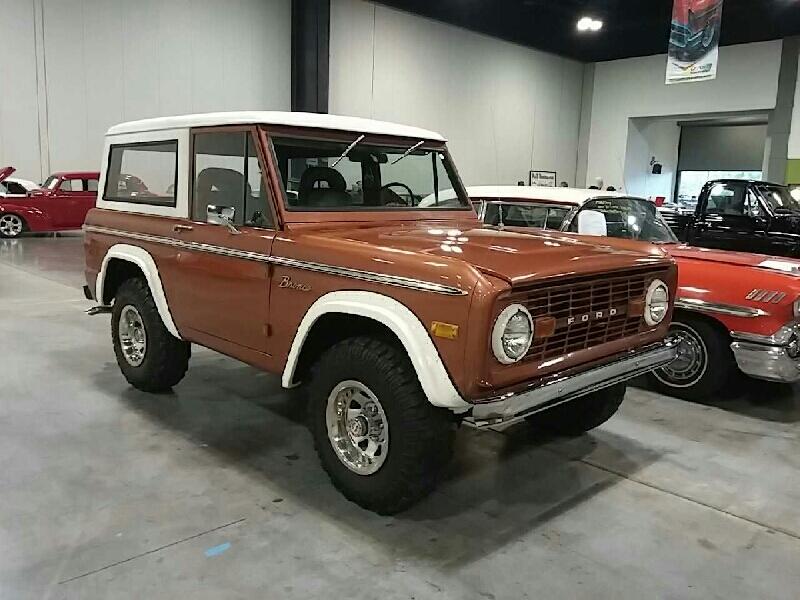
x=16, y=213
x=706, y=317
x=123, y=261
x=339, y=315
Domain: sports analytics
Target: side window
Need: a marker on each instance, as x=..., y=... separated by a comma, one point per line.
x=15, y=188
x=520, y=215
x=227, y=174
x=752, y=205
x=726, y=199
x=555, y=218
x=142, y=173
x=66, y=186
x=91, y=185
x=492, y=216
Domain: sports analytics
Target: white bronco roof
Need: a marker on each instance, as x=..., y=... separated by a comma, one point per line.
x=293, y=119
x=576, y=196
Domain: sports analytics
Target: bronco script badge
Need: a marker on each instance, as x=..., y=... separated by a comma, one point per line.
x=286, y=282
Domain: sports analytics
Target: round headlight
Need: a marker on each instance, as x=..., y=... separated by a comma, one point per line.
x=656, y=303
x=512, y=334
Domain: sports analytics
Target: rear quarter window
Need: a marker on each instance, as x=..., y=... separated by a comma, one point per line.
x=142, y=173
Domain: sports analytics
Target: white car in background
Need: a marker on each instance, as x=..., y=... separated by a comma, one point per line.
x=12, y=187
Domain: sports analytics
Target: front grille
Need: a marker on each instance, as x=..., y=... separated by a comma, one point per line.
x=569, y=300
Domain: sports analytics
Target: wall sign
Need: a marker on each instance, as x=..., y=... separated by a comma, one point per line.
x=694, y=41
x=542, y=178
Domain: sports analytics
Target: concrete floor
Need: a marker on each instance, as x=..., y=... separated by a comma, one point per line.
x=215, y=492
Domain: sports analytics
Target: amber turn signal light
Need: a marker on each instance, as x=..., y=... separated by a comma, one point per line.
x=447, y=331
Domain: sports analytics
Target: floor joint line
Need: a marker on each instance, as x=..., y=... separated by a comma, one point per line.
x=153, y=551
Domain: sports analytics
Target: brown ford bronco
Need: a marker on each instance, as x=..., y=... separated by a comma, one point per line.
x=324, y=249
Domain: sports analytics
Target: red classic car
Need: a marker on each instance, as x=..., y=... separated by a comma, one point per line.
x=60, y=203
x=732, y=308
x=695, y=28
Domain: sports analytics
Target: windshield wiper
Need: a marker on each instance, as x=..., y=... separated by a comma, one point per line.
x=409, y=151
x=346, y=152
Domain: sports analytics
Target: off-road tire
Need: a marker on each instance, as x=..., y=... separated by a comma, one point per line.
x=420, y=434
x=720, y=365
x=166, y=357
x=583, y=414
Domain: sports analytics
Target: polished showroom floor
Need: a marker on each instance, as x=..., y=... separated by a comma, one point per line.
x=215, y=492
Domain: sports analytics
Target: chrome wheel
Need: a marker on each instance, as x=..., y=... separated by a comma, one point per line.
x=132, y=335
x=357, y=427
x=11, y=225
x=692, y=361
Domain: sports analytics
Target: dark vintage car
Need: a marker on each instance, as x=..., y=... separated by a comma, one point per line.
x=748, y=216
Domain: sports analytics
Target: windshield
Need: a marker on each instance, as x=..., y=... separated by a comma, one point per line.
x=779, y=198
x=50, y=183
x=628, y=218
x=357, y=176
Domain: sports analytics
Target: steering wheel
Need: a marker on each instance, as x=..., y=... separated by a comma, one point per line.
x=410, y=201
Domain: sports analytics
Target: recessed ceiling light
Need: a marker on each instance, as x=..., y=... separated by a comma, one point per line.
x=589, y=24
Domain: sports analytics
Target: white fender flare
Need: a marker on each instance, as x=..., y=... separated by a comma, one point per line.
x=142, y=259
x=406, y=326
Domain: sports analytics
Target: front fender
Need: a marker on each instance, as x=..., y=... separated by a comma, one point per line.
x=425, y=359
x=729, y=294
x=35, y=219
x=142, y=259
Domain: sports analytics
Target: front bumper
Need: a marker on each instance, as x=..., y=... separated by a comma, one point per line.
x=561, y=388
x=767, y=357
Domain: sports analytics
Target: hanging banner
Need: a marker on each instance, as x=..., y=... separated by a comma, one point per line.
x=694, y=41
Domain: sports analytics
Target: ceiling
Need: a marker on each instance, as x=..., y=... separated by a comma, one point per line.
x=631, y=27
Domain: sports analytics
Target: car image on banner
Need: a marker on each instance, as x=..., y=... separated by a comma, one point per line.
x=694, y=40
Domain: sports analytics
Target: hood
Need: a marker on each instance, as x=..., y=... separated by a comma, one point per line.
x=761, y=261
x=6, y=172
x=515, y=256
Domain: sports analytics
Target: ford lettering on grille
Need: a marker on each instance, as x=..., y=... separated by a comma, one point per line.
x=596, y=315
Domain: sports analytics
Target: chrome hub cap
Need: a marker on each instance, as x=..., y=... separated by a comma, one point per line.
x=357, y=427
x=692, y=361
x=132, y=336
x=10, y=225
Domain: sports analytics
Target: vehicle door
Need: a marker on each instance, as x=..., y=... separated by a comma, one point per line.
x=86, y=200
x=222, y=274
x=65, y=204
x=731, y=218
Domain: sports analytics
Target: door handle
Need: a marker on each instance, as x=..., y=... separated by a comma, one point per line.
x=179, y=228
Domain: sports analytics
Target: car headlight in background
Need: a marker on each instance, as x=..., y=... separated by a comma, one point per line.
x=793, y=347
x=512, y=334
x=656, y=303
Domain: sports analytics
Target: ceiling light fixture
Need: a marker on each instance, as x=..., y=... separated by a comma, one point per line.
x=589, y=24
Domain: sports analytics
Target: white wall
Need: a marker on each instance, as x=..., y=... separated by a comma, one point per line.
x=747, y=80
x=506, y=109
x=107, y=61
x=19, y=128
x=648, y=138
x=794, y=136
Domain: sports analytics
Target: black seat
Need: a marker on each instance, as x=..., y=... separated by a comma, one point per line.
x=217, y=186
x=332, y=194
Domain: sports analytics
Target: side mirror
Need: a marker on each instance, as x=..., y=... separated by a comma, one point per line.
x=221, y=215
x=592, y=222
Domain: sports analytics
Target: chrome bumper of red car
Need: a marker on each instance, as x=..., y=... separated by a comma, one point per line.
x=774, y=358
x=512, y=407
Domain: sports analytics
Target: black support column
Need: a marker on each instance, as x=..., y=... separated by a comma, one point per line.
x=310, y=55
